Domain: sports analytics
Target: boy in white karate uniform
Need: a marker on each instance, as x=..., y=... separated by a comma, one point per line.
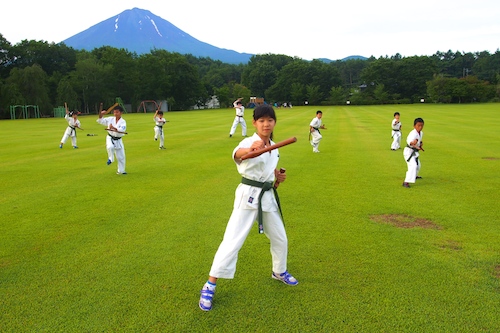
x=159, y=122
x=411, y=152
x=396, y=132
x=70, y=132
x=239, y=118
x=116, y=127
x=255, y=198
x=314, y=127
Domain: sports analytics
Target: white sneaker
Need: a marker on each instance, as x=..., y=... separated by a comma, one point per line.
x=286, y=278
x=206, y=297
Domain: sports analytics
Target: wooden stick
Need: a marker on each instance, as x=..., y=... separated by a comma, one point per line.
x=113, y=130
x=261, y=151
x=111, y=108
x=277, y=183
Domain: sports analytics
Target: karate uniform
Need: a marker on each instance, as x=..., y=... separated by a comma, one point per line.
x=114, y=142
x=316, y=135
x=159, y=129
x=396, y=135
x=70, y=130
x=238, y=119
x=411, y=156
x=244, y=214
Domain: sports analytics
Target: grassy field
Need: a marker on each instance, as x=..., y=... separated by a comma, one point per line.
x=83, y=249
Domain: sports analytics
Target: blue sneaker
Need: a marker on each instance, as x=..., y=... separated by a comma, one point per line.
x=75, y=147
x=286, y=278
x=121, y=173
x=206, y=297
x=60, y=146
x=108, y=162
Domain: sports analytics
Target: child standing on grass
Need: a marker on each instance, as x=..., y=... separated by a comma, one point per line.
x=116, y=127
x=239, y=118
x=159, y=121
x=396, y=132
x=314, y=128
x=70, y=132
x=413, y=145
x=253, y=199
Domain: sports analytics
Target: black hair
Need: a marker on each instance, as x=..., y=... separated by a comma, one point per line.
x=160, y=112
x=264, y=110
x=396, y=114
x=119, y=108
x=319, y=111
x=418, y=120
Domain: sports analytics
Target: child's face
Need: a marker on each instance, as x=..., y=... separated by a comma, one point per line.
x=264, y=126
x=319, y=115
x=419, y=126
x=397, y=117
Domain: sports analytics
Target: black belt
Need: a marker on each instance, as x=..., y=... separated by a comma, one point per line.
x=265, y=187
x=414, y=150
x=395, y=130
x=114, y=137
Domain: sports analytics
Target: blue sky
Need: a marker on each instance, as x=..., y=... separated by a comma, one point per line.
x=306, y=29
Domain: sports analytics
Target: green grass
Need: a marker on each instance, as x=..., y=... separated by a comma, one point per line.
x=85, y=250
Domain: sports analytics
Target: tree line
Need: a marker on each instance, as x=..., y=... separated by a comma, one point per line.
x=48, y=75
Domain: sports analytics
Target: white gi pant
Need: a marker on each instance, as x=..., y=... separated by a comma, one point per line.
x=396, y=140
x=115, y=147
x=413, y=165
x=316, y=138
x=239, y=225
x=159, y=133
x=70, y=132
x=239, y=120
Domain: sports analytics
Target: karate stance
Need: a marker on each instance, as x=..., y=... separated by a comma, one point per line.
x=254, y=199
x=116, y=127
x=159, y=121
x=411, y=152
x=396, y=132
x=238, y=119
x=70, y=132
x=314, y=127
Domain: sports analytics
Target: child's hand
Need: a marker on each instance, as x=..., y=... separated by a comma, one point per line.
x=257, y=145
x=280, y=177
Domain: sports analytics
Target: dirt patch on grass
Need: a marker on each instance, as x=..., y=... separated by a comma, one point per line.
x=491, y=158
x=496, y=272
x=404, y=221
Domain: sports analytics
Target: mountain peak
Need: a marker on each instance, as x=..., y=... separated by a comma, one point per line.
x=140, y=31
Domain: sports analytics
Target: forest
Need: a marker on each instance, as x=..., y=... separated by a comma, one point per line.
x=48, y=75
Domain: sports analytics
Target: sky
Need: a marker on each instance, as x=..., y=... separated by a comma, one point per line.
x=308, y=29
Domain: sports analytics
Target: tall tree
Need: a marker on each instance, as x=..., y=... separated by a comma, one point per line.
x=31, y=83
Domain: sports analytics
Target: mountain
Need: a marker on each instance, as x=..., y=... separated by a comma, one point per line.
x=138, y=30
x=353, y=57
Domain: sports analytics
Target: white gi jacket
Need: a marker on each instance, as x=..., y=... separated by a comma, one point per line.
x=261, y=169
x=120, y=125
